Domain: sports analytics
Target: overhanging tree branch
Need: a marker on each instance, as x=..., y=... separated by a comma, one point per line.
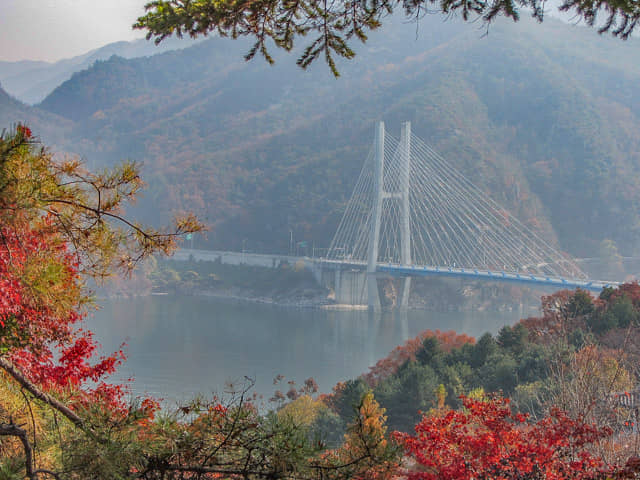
x=31, y=387
x=336, y=22
x=12, y=430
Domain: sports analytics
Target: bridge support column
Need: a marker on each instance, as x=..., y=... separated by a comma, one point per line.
x=374, y=234
x=403, y=304
x=349, y=287
x=405, y=233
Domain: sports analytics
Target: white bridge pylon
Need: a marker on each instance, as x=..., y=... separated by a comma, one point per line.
x=411, y=208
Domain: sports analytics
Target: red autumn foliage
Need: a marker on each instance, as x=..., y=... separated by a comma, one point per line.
x=26, y=322
x=407, y=352
x=38, y=331
x=24, y=131
x=487, y=440
x=562, y=312
x=630, y=290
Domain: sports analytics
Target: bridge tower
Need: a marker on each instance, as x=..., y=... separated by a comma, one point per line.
x=412, y=214
x=380, y=196
x=405, y=237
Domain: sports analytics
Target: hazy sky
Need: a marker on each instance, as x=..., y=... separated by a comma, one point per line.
x=54, y=29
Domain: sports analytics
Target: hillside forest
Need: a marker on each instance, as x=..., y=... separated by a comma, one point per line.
x=541, y=117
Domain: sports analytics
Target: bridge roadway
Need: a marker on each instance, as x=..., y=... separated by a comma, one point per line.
x=227, y=257
x=273, y=261
x=472, y=273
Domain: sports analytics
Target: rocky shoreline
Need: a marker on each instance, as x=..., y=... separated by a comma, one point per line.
x=321, y=300
x=293, y=289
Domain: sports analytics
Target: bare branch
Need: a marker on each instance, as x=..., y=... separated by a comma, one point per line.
x=28, y=385
x=10, y=429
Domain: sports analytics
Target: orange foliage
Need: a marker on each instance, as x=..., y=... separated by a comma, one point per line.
x=562, y=312
x=630, y=290
x=366, y=446
x=407, y=352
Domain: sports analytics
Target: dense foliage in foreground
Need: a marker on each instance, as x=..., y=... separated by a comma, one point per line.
x=61, y=418
x=581, y=342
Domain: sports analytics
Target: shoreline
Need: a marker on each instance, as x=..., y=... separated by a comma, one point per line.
x=319, y=301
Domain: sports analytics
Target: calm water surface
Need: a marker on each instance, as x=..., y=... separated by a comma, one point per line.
x=178, y=346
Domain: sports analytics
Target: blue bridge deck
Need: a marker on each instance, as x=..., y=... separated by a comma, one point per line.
x=472, y=273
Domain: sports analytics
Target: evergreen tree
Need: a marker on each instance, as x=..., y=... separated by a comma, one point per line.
x=333, y=25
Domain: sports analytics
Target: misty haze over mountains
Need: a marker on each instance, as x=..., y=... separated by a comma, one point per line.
x=542, y=117
x=31, y=81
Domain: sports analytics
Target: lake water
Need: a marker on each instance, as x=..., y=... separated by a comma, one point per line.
x=178, y=346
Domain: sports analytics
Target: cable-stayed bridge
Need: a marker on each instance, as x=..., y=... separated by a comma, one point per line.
x=412, y=214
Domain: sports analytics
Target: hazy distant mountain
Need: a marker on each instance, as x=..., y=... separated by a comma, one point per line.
x=543, y=117
x=31, y=81
x=55, y=129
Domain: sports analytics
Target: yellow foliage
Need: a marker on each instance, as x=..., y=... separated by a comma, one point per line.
x=303, y=410
x=366, y=439
x=16, y=407
x=477, y=394
x=367, y=433
x=441, y=395
x=598, y=367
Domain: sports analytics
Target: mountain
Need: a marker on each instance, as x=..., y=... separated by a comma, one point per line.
x=542, y=117
x=53, y=128
x=32, y=81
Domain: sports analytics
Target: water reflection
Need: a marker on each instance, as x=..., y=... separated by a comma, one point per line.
x=178, y=346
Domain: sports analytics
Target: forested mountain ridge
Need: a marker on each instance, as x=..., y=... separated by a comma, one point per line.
x=541, y=116
x=55, y=129
x=31, y=81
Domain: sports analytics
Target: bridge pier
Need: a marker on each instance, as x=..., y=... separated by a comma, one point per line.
x=358, y=287
x=349, y=286
x=403, y=304
x=373, y=294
